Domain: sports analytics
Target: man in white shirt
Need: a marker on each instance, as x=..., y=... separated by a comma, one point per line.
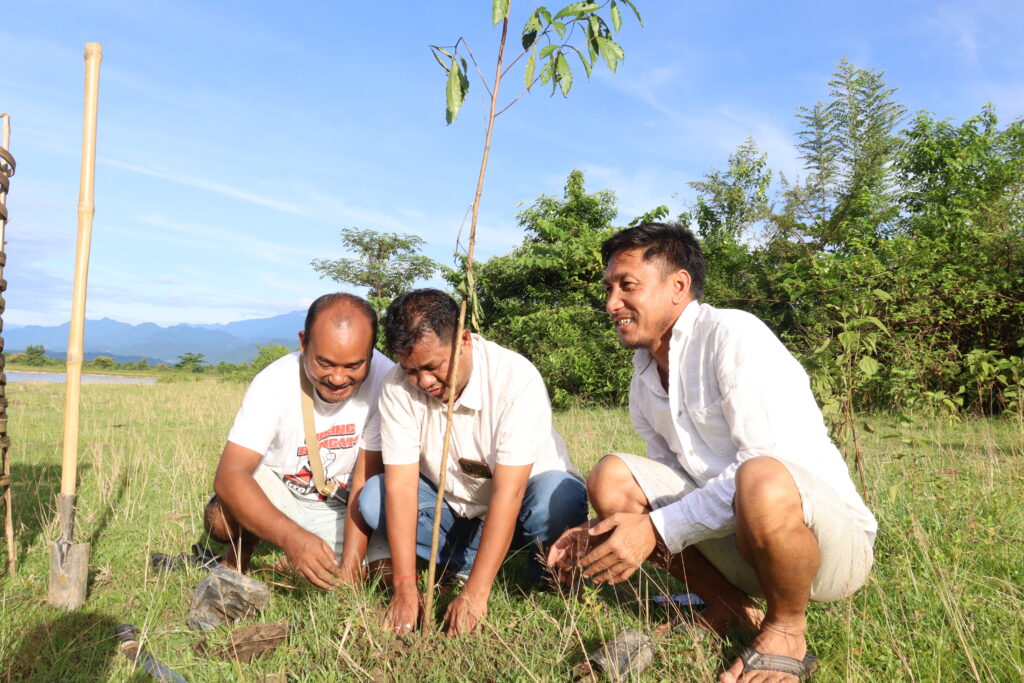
x=509, y=483
x=264, y=483
x=743, y=492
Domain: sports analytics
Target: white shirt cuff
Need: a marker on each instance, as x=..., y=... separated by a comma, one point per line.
x=672, y=526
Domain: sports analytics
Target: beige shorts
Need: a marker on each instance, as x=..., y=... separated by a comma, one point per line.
x=845, y=547
x=326, y=520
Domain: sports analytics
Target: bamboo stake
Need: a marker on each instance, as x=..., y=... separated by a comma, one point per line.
x=7, y=163
x=86, y=210
x=457, y=342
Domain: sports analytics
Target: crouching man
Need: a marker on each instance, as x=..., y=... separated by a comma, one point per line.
x=265, y=483
x=742, y=492
x=509, y=481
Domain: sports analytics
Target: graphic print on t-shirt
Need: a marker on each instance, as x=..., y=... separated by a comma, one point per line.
x=337, y=452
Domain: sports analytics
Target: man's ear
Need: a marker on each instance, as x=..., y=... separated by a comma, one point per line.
x=681, y=283
x=302, y=341
x=467, y=339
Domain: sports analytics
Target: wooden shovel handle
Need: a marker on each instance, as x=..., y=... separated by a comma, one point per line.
x=69, y=462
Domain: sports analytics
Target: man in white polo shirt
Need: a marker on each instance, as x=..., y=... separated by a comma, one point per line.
x=509, y=481
x=743, y=491
x=264, y=483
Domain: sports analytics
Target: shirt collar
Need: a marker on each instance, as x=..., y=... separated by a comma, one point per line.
x=683, y=327
x=681, y=331
x=472, y=396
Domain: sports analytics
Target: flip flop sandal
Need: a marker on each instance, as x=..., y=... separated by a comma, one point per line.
x=759, y=661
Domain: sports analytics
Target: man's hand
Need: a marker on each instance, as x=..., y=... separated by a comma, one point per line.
x=565, y=553
x=612, y=549
x=352, y=572
x=403, y=614
x=311, y=557
x=465, y=614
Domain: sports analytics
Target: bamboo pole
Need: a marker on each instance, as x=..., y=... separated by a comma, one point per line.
x=86, y=209
x=457, y=342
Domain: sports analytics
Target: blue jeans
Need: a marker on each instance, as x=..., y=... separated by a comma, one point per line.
x=553, y=502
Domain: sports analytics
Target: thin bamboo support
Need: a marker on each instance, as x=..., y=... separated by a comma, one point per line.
x=6, y=171
x=457, y=342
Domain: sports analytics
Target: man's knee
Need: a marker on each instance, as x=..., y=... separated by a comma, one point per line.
x=553, y=502
x=767, y=498
x=371, y=501
x=612, y=488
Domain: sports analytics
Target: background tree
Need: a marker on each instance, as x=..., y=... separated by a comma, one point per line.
x=546, y=298
x=35, y=354
x=191, y=362
x=386, y=263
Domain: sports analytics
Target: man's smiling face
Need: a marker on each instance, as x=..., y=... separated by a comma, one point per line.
x=643, y=301
x=336, y=357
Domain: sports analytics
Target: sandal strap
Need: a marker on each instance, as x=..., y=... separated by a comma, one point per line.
x=760, y=661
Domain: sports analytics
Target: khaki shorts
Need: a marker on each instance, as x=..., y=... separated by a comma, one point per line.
x=326, y=520
x=845, y=547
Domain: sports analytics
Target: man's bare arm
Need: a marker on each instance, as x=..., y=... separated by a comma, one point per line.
x=466, y=612
x=401, y=505
x=242, y=496
x=357, y=532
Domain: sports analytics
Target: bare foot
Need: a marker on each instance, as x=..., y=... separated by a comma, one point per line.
x=381, y=570
x=776, y=639
x=722, y=618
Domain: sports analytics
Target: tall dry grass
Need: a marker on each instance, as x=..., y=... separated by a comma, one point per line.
x=945, y=601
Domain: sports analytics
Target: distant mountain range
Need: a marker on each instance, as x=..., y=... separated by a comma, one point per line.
x=235, y=342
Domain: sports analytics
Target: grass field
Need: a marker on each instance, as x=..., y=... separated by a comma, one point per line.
x=944, y=603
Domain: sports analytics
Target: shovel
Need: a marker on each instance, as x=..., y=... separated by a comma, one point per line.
x=69, y=561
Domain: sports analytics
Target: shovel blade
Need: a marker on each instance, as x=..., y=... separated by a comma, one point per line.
x=68, y=578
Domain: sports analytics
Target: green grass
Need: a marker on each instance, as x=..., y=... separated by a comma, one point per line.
x=945, y=601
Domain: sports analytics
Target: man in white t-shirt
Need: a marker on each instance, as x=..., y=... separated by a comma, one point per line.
x=743, y=492
x=264, y=482
x=509, y=483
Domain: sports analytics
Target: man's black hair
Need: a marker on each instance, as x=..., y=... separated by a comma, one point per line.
x=329, y=300
x=673, y=245
x=413, y=314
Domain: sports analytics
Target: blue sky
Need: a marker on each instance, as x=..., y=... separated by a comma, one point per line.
x=237, y=138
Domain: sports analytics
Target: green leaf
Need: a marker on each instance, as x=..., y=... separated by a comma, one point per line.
x=869, y=366
x=877, y=323
x=635, y=11
x=576, y=8
x=560, y=28
x=591, y=43
x=563, y=74
x=882, y=294
x=893, y=491
x=499, y=10
x=529, y=39
x=611, y=52
x=434, y=52
x=587, y=66
x=616, y=17
x=545, y=14
x=847, y=339
x=531, y=65
x=455, y=90
x=547, y=50
x=546, y=72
